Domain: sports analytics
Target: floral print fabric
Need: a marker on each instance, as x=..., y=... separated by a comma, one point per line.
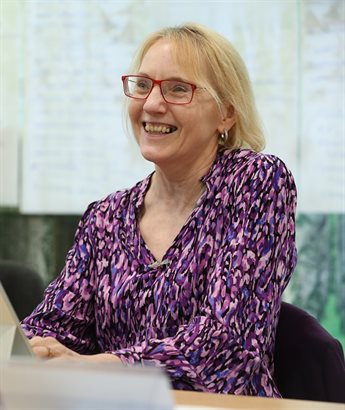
x=207, y=315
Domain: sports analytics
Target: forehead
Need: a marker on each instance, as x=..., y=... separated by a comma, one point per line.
x=160, y=56
x=167, y=57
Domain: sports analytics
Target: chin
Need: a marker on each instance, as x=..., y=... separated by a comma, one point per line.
x=153, y=154
x=150, y=154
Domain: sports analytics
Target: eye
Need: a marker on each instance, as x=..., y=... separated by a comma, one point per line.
x=180, y=88
x=143, y=84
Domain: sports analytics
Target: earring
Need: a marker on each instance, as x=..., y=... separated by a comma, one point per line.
x=224, y=136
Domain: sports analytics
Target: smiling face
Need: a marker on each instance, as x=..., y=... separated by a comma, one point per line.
x=181, y=136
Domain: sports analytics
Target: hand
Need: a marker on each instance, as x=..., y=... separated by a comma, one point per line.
x=52, y=349
x=49, y=348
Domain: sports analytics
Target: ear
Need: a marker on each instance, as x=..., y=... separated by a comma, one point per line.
x=228, y=120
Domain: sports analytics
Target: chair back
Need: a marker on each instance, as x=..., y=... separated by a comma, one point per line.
x=309, y=362
x=23, y=285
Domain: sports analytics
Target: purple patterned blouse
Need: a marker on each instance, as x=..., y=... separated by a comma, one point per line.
x=208, y=315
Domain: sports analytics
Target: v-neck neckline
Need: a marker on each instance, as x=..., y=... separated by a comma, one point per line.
x=143, y=253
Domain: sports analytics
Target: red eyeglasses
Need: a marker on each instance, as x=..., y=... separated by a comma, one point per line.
x=173, y=91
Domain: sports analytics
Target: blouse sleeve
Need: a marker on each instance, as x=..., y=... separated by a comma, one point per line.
x=226, y=347
x=67, y=311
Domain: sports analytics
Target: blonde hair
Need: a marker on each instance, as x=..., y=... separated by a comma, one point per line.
x=226, y=77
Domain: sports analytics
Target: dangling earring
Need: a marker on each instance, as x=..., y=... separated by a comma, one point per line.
x=224, y=136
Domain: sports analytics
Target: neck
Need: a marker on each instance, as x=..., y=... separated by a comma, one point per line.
x=174, y=186
x=178, y=194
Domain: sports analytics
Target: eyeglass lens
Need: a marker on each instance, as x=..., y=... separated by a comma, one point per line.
x=177, y=92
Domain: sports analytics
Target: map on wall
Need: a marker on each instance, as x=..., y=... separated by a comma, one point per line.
x=75, y=145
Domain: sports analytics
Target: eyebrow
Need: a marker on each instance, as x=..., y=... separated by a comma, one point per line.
x=175, y=78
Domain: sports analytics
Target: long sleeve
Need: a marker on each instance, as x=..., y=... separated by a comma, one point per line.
x=225, y=347
x=209, y=318
x=66, y=312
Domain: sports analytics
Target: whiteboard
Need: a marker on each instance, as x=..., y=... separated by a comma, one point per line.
x=69, y=115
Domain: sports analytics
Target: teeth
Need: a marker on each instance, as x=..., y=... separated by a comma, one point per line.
x=157, y=128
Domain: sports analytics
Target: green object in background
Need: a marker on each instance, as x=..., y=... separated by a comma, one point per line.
x=332, y=320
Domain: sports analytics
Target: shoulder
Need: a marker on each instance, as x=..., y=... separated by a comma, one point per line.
x=115, y=205
x=247, y=159
x=246, y=176
x=245, y=165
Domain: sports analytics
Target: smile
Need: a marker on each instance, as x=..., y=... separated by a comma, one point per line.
x=158, y=128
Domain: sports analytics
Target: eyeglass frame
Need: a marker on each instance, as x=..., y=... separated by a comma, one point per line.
x=158, y=82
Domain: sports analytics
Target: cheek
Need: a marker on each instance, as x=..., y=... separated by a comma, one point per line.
x=134, y=111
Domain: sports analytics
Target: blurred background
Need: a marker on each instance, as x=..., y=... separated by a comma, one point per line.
x=62, y=133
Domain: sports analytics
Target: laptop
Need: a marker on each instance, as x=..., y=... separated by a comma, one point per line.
x=13, y=341
x=49, y=385
x=40, y=385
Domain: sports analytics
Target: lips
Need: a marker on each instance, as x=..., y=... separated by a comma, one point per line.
x=154, y=128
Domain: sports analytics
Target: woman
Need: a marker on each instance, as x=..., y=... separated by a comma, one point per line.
x=186, y=269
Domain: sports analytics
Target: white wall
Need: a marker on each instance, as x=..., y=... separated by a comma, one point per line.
x=62, y=98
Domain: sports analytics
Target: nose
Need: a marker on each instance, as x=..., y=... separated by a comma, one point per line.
x=155, y=101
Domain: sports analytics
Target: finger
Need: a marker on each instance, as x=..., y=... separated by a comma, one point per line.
x=41, y=351
x=40, y=340
x=36, y=341
x=57, y=350
x=46, y=347
x=49, y=342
